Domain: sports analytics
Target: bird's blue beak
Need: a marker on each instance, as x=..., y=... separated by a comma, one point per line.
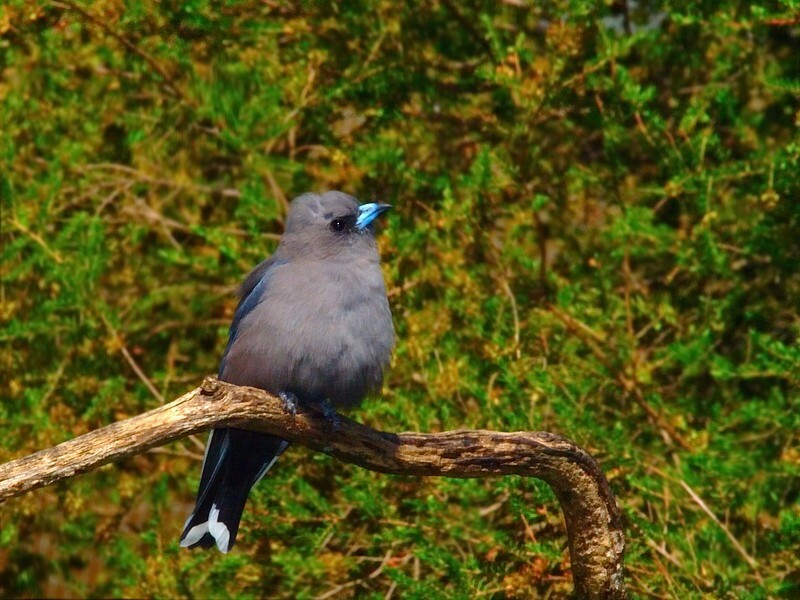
x=367, y=213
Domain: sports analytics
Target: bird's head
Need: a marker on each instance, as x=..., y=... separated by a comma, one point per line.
x=330, y=225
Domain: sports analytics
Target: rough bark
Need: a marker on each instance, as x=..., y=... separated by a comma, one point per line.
x=594, y=530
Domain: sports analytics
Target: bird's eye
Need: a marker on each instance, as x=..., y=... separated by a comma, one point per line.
x=339, y=225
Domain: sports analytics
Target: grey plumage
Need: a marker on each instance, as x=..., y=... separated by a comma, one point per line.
x=313, y=321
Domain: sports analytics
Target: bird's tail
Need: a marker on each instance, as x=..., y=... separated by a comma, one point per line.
x=235, y=461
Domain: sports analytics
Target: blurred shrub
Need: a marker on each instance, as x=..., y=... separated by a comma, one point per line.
x=597, y=232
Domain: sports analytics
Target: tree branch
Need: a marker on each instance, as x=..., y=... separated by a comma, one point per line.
x=594, y=530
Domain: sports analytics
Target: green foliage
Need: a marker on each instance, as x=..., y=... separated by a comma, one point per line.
x=597, y=232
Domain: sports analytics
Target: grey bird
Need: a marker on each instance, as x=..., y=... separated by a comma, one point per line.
x=313, y=326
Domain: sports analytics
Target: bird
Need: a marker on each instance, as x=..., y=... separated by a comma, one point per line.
x=313, y=326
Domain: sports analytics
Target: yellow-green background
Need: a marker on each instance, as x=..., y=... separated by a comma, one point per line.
x=597, y=216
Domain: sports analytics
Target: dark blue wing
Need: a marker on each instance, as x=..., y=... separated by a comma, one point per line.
x=235, y=459
x=251, y=293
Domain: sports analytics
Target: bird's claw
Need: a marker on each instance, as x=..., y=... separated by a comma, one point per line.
x=289, y=402
x=329, y=414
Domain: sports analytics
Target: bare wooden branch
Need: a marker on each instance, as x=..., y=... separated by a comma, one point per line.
x=594, y=530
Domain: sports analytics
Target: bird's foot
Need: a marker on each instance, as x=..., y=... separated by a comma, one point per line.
x=289, y=402
x=330, y=414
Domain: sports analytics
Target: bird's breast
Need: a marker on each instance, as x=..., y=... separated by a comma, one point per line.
x=321, y=332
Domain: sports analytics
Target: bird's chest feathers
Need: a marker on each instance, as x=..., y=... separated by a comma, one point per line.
x=331, y=306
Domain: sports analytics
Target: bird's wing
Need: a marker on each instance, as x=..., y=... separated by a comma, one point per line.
x=235, y=459
x=251, y=293
x=255, y=276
